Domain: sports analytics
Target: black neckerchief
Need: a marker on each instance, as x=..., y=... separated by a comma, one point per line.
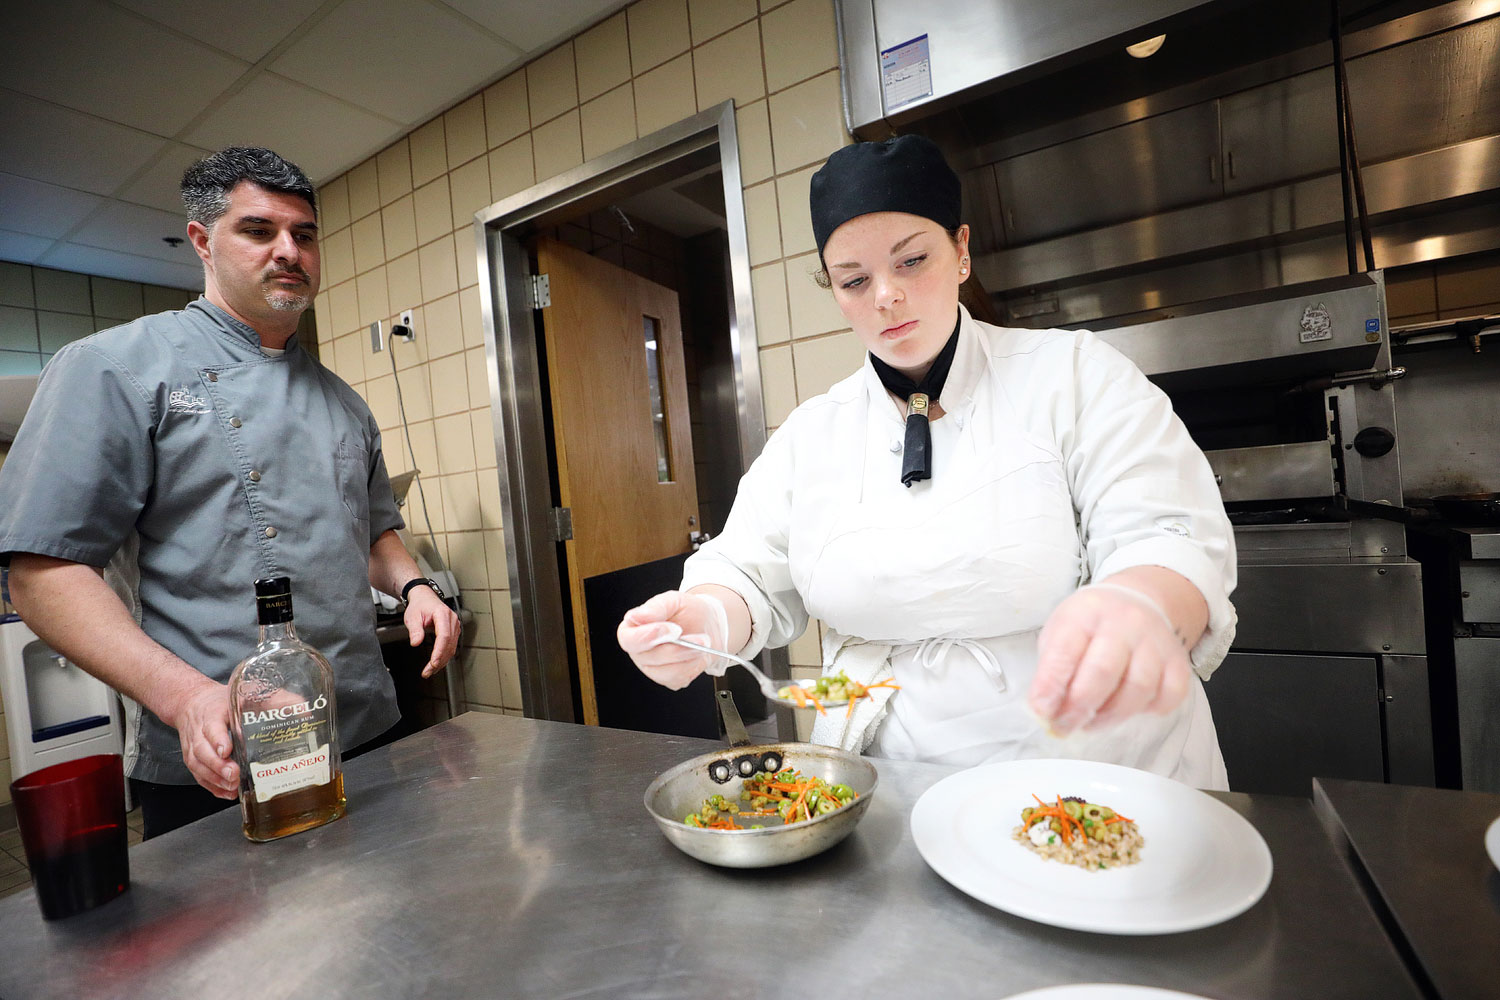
x=916, y=460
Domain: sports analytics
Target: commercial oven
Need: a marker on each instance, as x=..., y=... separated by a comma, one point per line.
x=1289, y=393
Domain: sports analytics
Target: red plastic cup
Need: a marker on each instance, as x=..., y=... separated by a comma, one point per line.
x=72, y=819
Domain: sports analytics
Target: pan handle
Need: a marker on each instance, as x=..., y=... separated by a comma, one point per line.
x=734, y=729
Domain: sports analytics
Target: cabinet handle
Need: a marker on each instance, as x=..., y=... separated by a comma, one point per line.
x=1229, y=164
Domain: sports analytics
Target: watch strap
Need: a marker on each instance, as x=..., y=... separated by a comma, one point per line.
x=422, y=581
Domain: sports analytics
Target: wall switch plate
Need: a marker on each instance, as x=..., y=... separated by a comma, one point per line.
x=377, y=338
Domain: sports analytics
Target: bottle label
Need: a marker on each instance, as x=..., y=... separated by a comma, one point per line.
x=290, y=774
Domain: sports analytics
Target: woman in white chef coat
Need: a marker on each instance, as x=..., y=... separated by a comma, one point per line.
x=1042, y=563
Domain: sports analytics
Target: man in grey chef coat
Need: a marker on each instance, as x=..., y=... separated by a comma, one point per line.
x=193, y=452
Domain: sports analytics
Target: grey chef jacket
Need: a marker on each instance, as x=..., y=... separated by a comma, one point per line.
x=174, y=433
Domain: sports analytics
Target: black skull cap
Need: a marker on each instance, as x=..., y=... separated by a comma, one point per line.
x=904, y=174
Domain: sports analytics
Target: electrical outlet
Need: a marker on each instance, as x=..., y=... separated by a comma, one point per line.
x=403, y=330
x=406, y=319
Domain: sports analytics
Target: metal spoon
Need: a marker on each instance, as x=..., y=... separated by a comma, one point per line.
x=768, y=687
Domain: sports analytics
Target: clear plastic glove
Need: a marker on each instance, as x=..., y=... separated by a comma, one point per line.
x=644, y=631
x=1107, y=653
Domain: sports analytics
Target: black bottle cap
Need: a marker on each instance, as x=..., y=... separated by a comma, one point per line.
x=273, y=600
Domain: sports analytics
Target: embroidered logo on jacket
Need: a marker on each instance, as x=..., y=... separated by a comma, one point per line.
x=183, y=400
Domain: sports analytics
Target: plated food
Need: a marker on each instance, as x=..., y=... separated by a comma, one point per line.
x=1075, y=831
x=832, y=688
x=788, y=795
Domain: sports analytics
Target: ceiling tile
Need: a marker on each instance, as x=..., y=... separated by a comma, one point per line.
x=400, y=59
x=161, y=185
x=242, y=29
x=22, y=247
x=136, y=229
x=318, y=133
x=93, y=57
x=68, y=148
x=533, y=27
x=40, y=209
x=128, y=267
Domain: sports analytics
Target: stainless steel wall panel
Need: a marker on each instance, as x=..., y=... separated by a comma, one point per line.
x=1352, y=608
x=1477, y=665
x=1479, y=590
x=1273, y=472
x=1280, y=132
x=1449, y=405
x=1408, y=720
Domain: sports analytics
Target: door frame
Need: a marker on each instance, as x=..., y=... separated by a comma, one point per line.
x=518, y=399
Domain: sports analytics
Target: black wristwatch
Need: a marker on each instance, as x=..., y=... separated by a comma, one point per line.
x=422, y=581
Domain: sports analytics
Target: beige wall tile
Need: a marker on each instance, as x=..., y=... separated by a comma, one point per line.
x=471, y=308
x=56, y=329
x=481, y=668
x=658, y=32
x=439, y=269
x=364, y=190
x=62, y=291
x=729, y=68
x=712, y=17
x=461, y=502
x=116, y=299
x=551, y=84
x=608, y=122
x=373, y=302
x=557, y=146
x=502, y=615
x=424, y=447
x=510, y=679
x=796, y=220
x=429, y=153
x=494, y=551
x=469, y=186
x=333, y=204
x=768, y=289
x=343, y=308
x=752, y=126
x=345, y=360
x=442, y=327
x=762, y=225
x=380, y=394
x=801, y=41
x=322, y=320
x=403, y=282
x=15, y=286
x=455, y=440
x=434, y=211
x=467, y=255
x=481, y=632
x=398, y=220
x=506, y=114
x=393, y=168
x=369, y=243
x=807, y=122
x=824, y=361
x=778, y=384
x=813, y=309
x=450, y=393
x=483, y=428
x=476, y=370
x=463, y=126
x=806, y=650
x=161, y=299
x=466, y=557
x=603, y=54
x=511, y=168
x=664, y=95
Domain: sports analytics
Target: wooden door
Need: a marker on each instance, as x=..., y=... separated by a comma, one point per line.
x=621, y=429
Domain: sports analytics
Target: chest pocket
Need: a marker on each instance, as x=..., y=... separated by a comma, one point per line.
x=353, y=471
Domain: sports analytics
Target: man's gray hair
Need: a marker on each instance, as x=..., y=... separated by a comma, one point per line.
x=207, y=183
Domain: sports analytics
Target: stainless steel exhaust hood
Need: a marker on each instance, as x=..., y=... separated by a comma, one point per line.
x=1103, y=189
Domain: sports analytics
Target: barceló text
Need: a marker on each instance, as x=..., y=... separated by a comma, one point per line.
x=285, y=712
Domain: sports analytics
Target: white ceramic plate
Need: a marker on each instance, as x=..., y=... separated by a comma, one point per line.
x=1104, y=991
x=1492, y=842
x=1201, y=863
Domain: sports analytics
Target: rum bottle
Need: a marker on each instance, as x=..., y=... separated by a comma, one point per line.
x=285, y=734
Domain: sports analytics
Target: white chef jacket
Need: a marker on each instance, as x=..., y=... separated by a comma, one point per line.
x=1056, y=462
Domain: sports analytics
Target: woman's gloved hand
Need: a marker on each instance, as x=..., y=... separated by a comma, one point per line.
x=1107, y=653
x=675, y=614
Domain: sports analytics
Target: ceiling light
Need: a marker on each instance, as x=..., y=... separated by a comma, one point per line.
x=1147, y=48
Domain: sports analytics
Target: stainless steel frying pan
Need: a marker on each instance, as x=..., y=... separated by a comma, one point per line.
x=682, y=789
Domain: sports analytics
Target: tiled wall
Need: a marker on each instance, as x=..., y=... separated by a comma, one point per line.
x=41, y=310
x=398, y=234
x=1445, y=289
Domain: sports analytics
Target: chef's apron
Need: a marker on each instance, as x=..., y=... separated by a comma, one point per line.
x=959, y=573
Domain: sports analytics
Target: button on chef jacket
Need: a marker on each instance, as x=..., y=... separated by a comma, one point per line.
x=175, y=446
x=1056, y=462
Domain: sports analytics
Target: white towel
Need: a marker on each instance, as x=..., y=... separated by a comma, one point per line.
x=867, y=663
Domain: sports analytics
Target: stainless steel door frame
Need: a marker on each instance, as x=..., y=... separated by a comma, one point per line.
x=518, y=399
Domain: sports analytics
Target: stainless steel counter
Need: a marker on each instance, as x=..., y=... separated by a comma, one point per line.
x=493, y=856
x=1422, y=850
